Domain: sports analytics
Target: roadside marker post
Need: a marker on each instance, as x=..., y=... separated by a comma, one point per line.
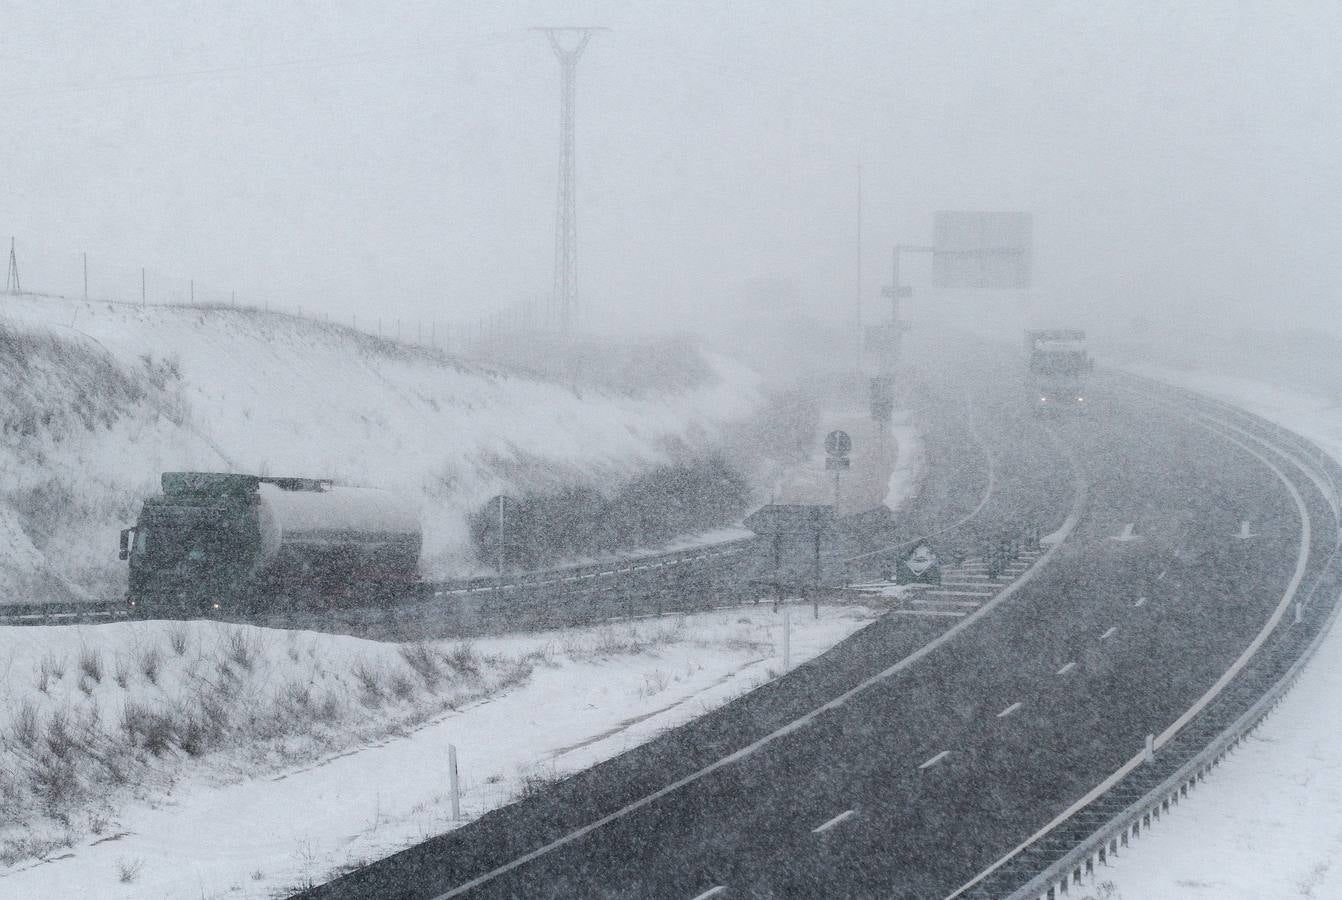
x=787, y=638
x=1150, y=753
x=453, y=783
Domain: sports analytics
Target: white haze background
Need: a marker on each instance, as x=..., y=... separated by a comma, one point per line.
x=1180, y=159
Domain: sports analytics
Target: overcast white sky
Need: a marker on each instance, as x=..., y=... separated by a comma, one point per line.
x=1181, y=159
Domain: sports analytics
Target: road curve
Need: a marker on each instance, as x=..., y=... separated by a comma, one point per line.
x=924, y=777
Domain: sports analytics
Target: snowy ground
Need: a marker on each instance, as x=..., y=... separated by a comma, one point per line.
x=1267, y=824
x=243, y=822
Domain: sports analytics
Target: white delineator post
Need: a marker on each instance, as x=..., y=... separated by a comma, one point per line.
x=453, y=784
x=787, y=638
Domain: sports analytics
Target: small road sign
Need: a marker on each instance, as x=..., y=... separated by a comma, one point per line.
x=838, y=443
x=920, y=566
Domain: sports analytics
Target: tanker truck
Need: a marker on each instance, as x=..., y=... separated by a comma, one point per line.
x=214, y=541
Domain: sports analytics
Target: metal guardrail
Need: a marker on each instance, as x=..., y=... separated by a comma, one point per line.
x=567, y=583
x=1062, y=858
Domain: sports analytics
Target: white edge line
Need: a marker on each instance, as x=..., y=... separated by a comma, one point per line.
x=821, y=829
x=1078, y=503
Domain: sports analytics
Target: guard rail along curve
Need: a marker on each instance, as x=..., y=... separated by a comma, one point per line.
x=1060, y=856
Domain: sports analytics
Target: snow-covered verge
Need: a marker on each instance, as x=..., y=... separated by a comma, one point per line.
x=101, y=398
x=160, y=759
x=1268, y=821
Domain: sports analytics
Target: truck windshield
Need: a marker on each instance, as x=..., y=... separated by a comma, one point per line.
x=1071, y=362
x=199, y=542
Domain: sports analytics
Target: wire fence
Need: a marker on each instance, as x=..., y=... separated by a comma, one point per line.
x=81, y=276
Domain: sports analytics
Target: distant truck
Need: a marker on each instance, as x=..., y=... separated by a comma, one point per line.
x=1057, y=366
x=212, y=541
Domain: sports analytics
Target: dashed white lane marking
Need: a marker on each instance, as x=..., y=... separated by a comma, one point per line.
x=1126, y=535
x=1141, y=601
x=1009, y=710
x=1161, y=576
x=970, y=604
x=930, y=612
x=711, y=892
x=1110, y=633
x=936, y=759
x=956, y=593
x=820, y=829
x=1065, y=669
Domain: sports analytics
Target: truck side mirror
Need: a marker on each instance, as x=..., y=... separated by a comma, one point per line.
x=125, y=543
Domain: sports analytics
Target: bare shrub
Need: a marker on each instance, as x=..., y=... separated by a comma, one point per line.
x=241, y=649
x=535, y=782
x=150, y=661
x=122, y=672
x=464, y=659
x=516, y=673
x=59, y=739
x=49, y=669
x=91, y=663
x=26, y=726
x=177, y=636
x=423, y=660
x=150, y=729
x=654, y=683
x=402, y=688
x=128, y=869
x=370, y=682
x=296, y=698
x=85, y=685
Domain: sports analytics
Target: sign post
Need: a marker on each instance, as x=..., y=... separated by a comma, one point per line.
x=837, y=447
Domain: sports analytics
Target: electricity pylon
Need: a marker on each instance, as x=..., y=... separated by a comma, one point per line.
x=12, y=278
x=566, y=216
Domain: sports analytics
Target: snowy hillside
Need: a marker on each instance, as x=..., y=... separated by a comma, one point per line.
x=101, y=398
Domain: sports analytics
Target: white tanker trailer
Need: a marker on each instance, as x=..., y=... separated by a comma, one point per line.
x=213, y=541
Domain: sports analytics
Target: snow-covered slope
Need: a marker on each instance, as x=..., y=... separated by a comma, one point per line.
x=99, y=399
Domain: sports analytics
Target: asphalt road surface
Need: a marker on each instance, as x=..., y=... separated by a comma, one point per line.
x=918, y=752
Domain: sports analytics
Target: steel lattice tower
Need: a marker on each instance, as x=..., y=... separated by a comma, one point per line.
x=566, y=215
x=12, y=278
